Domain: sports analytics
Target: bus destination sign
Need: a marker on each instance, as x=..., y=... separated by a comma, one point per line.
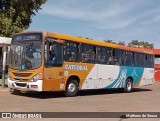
x=27, y=37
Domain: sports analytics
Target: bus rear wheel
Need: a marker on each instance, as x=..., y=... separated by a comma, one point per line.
x=71, y=88
x=128, y=86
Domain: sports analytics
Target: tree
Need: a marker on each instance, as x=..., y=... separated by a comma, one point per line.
x=121, y=43
x=110, y=41
x=140, y=44
x=16, y=15
x=133, y=43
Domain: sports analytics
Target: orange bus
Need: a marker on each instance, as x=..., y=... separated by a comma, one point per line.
x=44, y=61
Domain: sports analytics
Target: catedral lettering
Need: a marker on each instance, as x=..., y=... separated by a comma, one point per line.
x=76, y=67
x=45, y=61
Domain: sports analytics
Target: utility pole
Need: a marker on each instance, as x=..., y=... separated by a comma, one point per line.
x=4, y=65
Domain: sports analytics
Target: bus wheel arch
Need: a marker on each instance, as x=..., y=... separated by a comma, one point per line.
x=72, y=86
x=128, y=85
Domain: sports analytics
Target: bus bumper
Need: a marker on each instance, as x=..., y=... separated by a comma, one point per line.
x=25, y=86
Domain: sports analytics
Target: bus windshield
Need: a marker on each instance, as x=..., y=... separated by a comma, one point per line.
x=26, y=55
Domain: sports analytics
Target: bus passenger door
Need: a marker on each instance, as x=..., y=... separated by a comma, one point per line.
x=53, y=65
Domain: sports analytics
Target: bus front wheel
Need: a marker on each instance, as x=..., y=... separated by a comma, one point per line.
x=128, y=86
x=14, y=91
x=71, y=88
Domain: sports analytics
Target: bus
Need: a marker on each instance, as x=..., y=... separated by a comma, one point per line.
x=45, y=61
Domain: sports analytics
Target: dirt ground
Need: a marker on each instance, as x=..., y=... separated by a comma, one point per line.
x=142, y=99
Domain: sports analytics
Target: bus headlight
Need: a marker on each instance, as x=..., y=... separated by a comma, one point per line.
x=36, y=77
x=9, y=77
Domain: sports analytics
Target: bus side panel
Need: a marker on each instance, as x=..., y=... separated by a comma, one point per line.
x=110, y=76
x=107, y=74
x=149, y=75
x=135, y=72
x=100, y=76
x=94, y=76
x=55, y=78
x=91, y=79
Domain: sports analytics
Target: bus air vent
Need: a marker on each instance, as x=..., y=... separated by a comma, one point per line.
x=22, y=74
x=21, y=84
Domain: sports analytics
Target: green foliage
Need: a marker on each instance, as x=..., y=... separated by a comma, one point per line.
x=133, y=43
x=16, y=15
x=111, y=41
x=121, y=43
x=140, y=44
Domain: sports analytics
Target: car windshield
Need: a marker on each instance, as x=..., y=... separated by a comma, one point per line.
x=25, y=55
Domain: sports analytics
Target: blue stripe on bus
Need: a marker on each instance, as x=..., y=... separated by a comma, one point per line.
x=135, y=72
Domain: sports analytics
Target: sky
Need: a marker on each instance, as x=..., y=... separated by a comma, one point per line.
x=117, y=20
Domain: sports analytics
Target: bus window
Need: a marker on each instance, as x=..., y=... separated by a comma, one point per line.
x=59, y=54
x=129, y=58
x=53, y=53
x=103, y=55
x=88, y=53
x=118, y=58
x=71, y=51
x=149, y=61
x=139, y=59
x=109, y=56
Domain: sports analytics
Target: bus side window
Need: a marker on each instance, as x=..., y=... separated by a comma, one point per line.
x=88, y=53
x=109, y=56
x=118, y=57
x=102, y=55
x=71, y=51
x=149, y=61
x=129, y=58
x=53, y=53
x=49, y=48
x=140, y=59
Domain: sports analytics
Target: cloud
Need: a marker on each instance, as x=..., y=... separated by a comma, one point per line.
x=153, y=19
x=119, y=20
x=102, y=14
x=158, y=37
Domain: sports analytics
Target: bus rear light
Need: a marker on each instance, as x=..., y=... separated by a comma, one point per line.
x=34, y=86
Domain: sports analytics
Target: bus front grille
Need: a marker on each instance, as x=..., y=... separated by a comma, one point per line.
x=21, y=84
x=22, y=74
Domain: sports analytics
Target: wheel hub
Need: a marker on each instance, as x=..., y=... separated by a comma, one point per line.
x=129, y=85
x=71, y=87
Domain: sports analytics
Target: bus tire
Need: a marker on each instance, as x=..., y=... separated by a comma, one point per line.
x=14, y=91
x=128, y=85
x=71, y=88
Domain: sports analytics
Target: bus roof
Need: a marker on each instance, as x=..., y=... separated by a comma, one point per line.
x=98, y=42
x=157, y=52
x=93, y=42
